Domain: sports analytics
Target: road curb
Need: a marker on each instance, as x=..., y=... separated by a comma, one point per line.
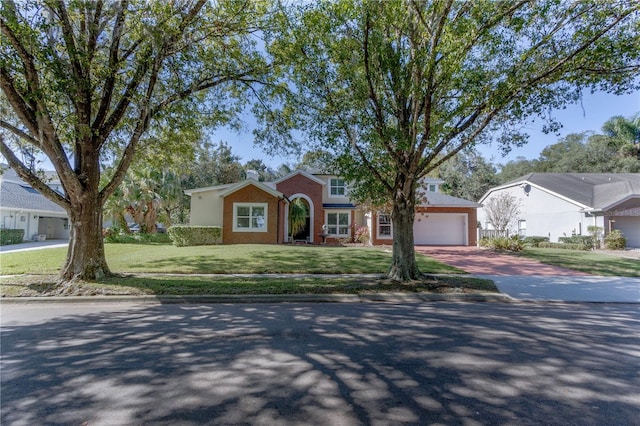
x=271, y=298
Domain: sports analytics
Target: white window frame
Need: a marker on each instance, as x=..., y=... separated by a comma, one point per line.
x=331, y=186
x=433, y=187
x=522, y=227
x=378, y=225
x=338, y=212
x=251, y=206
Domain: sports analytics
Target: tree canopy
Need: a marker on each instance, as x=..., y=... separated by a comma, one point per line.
x=396, y=88
x=89, y=83
x=615, y=150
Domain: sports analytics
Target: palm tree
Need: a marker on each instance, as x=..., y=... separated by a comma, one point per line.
x=298, y=213
x=624, y=134
x=170, y=194
x=114, y=209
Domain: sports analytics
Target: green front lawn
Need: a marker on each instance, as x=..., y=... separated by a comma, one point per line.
x=585, y=261
x=33, y=273
x=224, y=259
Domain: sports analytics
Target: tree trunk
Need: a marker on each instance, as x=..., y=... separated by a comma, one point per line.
x=150, y=218
x=85, y=256
x=403, y=266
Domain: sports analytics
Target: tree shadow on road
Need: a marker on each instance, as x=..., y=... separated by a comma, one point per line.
x=325, y=364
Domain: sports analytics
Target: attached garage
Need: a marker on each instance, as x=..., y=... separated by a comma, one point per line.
x=630, y=228
x=445, y=221
x=441, y=229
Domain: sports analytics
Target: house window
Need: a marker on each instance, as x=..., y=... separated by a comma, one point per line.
x=522, y=227
x=433, y=187
x=337, y=187
x=384, y=226
x=250, y=217
x=338, y=223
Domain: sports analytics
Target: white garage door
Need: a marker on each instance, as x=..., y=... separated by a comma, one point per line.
x=630, y=228
x=444, y=229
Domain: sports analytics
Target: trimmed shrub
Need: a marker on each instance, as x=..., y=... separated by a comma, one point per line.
x=484, y=242
x=566, y=246
x=362, y=235
x=512, y=243
x=615, y=240
x=533, y=241
x=11, y=236
x=585, y=240
x=186, y=235
x=120, y=238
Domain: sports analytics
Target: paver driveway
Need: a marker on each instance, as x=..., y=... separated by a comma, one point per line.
x=527, y=279
x=479, y=261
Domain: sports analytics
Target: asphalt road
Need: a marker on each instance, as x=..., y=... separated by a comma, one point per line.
x=320, y=364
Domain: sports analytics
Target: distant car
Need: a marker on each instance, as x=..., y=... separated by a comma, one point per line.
x=160, y=228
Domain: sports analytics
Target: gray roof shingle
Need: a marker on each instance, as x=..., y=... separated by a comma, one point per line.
x=20, y=196
x=596, y=190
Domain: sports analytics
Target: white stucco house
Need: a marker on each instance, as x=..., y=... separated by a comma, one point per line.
x=563, y=204
x=23, y=207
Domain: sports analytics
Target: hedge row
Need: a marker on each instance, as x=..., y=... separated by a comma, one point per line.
x=116, y=238
x=184, y=235
x=586, y=241
x=566, y=246
x=11, y=236
x=534, y=241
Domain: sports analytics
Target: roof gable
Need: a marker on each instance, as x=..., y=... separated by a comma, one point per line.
x=253, y=182
x=208, y=188
x=438, y=199
x=302, y=173
x=591, y=190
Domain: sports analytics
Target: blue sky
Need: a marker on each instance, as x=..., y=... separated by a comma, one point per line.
x=589, y=115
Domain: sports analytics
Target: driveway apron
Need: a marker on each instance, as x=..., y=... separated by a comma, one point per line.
x=527, y=279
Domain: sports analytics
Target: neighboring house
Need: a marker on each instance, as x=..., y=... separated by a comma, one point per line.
x=23, y=207
x=257, y=212
x=563, y=204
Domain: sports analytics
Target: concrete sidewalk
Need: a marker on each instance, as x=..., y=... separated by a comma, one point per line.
x=565, y=288
x=33, y=245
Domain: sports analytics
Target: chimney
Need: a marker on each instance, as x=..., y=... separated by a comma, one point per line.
x=252, y=174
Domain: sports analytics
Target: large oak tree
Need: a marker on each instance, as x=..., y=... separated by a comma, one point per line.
x=90, y=83
x=395, y=88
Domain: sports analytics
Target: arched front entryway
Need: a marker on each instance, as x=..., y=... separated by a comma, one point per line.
x=303, y=229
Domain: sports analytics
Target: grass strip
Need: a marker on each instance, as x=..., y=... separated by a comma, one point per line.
x=45, y=285
x=590, y=262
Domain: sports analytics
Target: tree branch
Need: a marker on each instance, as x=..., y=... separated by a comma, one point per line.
x=373, y=97
x=107, y=92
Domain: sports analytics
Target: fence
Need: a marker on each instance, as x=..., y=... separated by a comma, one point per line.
x=492, y=233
